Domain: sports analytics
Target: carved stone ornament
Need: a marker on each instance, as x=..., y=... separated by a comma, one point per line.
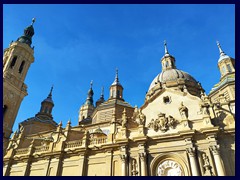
x=169, y=168
x=139, y=117
x=183, y=111
x=206, y=166
x=134, y=167
x=163, y=123
x=205, y=108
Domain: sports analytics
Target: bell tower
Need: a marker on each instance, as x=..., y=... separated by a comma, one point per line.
x=226, y=64
x=17, y=59
x=116, y=89
x=168, y=61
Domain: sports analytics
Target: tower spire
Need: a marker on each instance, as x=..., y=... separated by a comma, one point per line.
x=50, y=93
x=116, y=80
x=220, y=49
x=89, y=100
x=165, y=47
x=102, y=92
x=33, y=20
x=28, y=34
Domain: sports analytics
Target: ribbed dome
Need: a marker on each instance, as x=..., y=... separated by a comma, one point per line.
x=172, y=75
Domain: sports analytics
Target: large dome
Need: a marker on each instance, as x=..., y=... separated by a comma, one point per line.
x=172, y=75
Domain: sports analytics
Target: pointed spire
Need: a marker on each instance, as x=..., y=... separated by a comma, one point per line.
x=116, y=77
x=91, y=84
x=222, y=54
x=50, y=93
x=28, y=34
x=102, y=93
x=165, y=47
x=69, y=122
x=116, y=80
x=220, y=49
x=60, y=124
x=89, y=100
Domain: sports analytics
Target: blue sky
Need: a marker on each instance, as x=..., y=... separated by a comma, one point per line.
x=75, y=44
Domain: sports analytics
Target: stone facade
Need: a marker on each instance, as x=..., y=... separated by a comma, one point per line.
x=178, y=131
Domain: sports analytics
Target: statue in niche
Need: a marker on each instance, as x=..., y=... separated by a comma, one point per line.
x=183, y=111
x=134, y=167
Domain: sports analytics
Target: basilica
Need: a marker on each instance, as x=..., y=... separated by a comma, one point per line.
x=178, y=131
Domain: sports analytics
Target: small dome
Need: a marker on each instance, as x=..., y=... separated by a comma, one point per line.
x=48, y=99
x=172, y=75
x=223, y=57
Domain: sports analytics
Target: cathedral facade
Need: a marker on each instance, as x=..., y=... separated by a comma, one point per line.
x=178, y=131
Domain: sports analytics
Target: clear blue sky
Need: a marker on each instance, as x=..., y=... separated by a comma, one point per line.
x=75, y=44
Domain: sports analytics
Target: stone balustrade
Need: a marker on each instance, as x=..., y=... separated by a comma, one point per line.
x=73, y=144
x=95, y=141
x=41, y=149
x=22, y=151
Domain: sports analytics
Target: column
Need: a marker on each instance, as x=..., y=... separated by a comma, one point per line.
x=193, y=161
x=123, y=160
x=217, y=159
x=82, y=165
x=142, y=157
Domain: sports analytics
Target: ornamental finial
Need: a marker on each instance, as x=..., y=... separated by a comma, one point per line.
x=91, y=84
x=220, y=49
x=33, y=20
x=165, y=46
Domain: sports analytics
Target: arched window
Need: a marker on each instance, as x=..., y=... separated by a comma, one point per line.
x=4, y=110
x=118, y=94
x=46, y=110
x=21, y=67
x=166, y=64
x=13, y=62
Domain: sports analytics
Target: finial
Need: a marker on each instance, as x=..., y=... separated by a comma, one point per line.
x=220, y=49
x=91, y=83
x=165, y=46
x=69, y=121
x=33, y=20
x=116, y=77
x=102, y=91
x=50, y=93
x=60, y=124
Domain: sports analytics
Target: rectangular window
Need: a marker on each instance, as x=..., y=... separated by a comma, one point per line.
x=229, y=68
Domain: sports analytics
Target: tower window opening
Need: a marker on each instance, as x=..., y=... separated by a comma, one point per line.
x=118, y=94
x=166, y=65
x=46, y=110
x=13, y=62
x=21, y=67
x=229, y=68
x=223, y=70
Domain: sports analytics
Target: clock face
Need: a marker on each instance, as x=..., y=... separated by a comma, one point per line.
x=169, y=168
